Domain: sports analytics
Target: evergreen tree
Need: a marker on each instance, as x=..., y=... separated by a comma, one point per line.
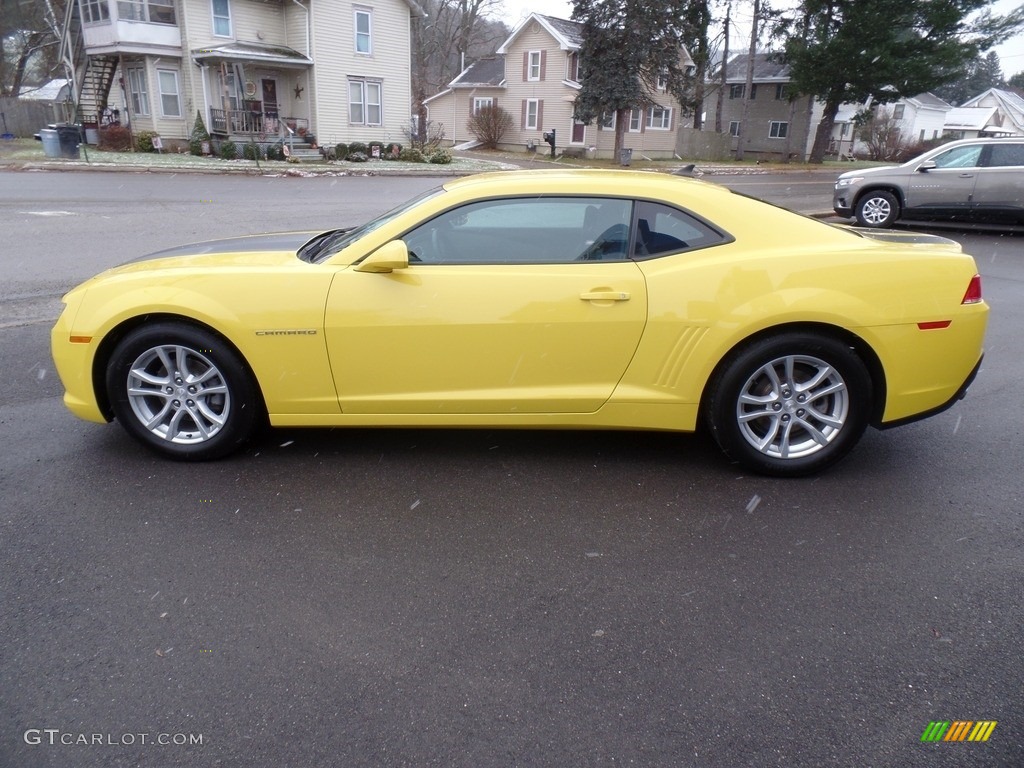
x=844, y=51
x=626, y=48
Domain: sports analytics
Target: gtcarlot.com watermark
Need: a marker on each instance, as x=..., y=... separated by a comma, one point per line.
x=55, y=736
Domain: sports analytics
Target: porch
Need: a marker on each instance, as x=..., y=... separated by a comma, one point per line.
x=254, y=122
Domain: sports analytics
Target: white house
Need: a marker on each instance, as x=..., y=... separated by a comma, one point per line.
x=254, y=69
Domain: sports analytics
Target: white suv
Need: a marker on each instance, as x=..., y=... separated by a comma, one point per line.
x=961, y=180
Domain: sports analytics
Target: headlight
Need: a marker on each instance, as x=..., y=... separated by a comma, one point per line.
x=848, y=182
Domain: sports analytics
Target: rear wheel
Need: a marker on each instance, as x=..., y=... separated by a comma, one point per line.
x=790, y=405
x=877, y=209
x=182, y=391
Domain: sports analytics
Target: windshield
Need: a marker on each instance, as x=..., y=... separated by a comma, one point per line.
x=329, y=243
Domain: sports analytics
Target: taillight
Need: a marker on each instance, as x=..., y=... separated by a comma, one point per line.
x=973, y=295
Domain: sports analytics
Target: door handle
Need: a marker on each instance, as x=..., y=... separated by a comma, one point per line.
x=605, y=296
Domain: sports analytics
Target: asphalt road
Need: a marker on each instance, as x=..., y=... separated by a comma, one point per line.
x=483, y=598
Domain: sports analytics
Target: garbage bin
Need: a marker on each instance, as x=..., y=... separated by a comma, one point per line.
x=51, y=142
x=625, y=156
x=70, y=137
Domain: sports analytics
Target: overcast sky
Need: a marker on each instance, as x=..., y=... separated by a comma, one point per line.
x=1011, y=53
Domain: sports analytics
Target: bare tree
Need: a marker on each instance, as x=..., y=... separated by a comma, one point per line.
x=29, y=44
x=883, y=135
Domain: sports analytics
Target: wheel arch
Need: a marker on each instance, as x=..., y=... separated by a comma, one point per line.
x=876, y=372
x=892, y=189
x=110, y=341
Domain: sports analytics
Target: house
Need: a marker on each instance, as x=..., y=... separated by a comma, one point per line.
x=535, y=78
x=775, y=126
x=920, y=118
x=1006, y=120
x=56, y=94
x=254, y=69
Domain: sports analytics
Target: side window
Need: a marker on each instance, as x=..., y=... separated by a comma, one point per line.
x=536, y=230
x=661, y=230
x=959, y=157
x=1004, y=155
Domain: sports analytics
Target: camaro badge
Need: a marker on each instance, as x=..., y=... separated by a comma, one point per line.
x=289, y=332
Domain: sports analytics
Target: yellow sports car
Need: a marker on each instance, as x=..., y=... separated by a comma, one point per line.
x=540, y=299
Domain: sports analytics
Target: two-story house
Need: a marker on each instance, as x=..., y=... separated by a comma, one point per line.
x=535, y=78
x=254, y=69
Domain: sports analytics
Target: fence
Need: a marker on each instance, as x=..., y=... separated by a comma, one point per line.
x=24, y=118
x=703, y=145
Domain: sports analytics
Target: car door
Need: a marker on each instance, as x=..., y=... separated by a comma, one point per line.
x=999, y=192
x=945, y=185
x=513, y=305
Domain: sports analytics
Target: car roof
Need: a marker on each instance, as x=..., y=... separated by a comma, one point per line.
x=595, y=182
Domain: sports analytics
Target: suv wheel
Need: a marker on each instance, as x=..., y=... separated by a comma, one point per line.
x=877, y=209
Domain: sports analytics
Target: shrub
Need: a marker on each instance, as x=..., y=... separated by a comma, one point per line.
x=412, y=155
x=357, y=157
x=489, y=125
x=144, y=141
x=116, y=138
x=358, y=146
x=252, y=151
x=341, y=151
x=198, y=136
x=441, y=157
x=275, y=152
x=229, y=150
x=392, y=151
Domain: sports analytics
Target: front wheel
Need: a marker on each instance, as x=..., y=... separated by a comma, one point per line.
x=877, y=209
x=182, y=391
x=790, y=405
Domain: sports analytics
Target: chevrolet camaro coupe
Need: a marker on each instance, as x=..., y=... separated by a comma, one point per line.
x=536, y=299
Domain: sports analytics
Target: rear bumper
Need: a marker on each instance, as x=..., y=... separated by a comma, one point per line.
x=959, y=395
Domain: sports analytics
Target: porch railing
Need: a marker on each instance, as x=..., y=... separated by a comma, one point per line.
x=254, y=122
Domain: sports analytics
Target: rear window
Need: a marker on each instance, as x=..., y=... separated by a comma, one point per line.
x=1006, y=155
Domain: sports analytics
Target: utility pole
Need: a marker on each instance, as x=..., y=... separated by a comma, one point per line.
x=750, y=78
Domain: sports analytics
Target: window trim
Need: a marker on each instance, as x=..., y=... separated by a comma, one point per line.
x=163, y=93
x=530, y=77
x=775, y=131
x=137, y=76
x=479, y=102
x=536, y=115
x=737, y=90
x=666, y=121
x=734, y=133
x=98, y=8
x=365, y=85
x=214, y=17
x=358, y=11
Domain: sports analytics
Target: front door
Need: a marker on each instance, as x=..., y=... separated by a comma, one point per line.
x=948, y=187
x=579, y=132
x=269, y=97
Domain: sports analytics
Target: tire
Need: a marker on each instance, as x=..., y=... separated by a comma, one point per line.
x=182, y=391
x=790, y=405
x=877, y=209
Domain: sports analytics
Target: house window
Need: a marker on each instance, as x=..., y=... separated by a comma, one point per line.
x=736, y=90
x=898, y=110
x=170, y=103
x=606, y=121
x=364, y=102
x=844, y=129
x=532, y=110
x=362, y=24
x=153, y=11
x=95, y=11
x=659, y=118
x=574, y=67
x=778, y=129
x=780, y=92
x=734, y=128
x=221, y=18
x=137, y=90
x=533, y=65
x=479, y=102
x=635, y=116
x=662, y=81
x=753, y=91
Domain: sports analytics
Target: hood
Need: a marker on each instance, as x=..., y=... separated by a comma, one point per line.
x=868, y=171
x=275, y=241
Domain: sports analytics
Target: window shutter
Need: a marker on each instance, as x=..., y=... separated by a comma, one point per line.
x=522, y=117
x=526, y=65
x=543, y=63
x=540, y=110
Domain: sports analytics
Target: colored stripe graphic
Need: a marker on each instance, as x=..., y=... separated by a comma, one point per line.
x=958, y=730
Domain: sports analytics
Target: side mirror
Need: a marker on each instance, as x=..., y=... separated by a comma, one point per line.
x=927, y=165
x=387, y=258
